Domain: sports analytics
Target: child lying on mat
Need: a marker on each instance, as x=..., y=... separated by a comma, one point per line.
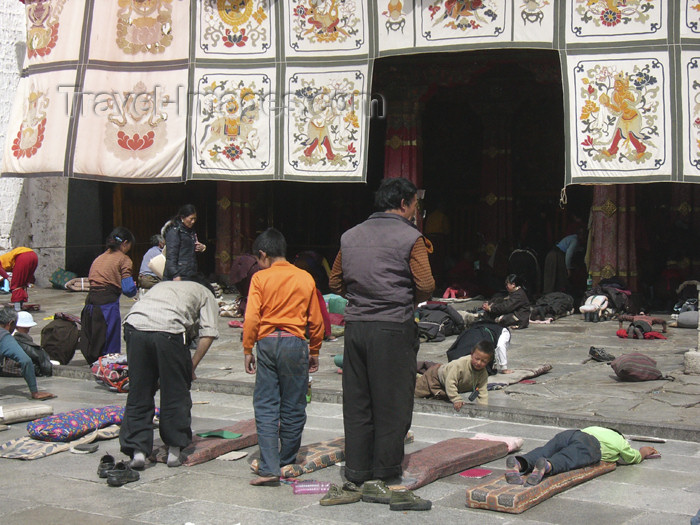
x=466, y=374
x=573, y=449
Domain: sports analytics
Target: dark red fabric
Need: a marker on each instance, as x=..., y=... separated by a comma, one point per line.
x=622, y=333
x=654, y=335
x=22, y=275
x=324, y=314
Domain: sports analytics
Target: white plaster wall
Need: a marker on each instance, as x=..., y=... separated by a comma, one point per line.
x=32, y=211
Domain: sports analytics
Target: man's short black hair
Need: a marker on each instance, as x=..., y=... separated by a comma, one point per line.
x=272, y=242
x=392, y=191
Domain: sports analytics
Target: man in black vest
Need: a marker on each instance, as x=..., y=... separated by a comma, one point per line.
x=383, y=271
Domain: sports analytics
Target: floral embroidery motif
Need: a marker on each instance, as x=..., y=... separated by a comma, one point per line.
x=133, y=123
x=609, y=13
x=318, y=22
x=235, y=24
x=619, y=116
x=144, y=26
x=31, y=132
x=229, y=109
x=324, y=126
x=463, y=15
x=532, y=11
x=42, y=26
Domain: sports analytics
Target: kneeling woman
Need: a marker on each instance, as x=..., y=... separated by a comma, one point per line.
x=513, y=310
x=110, y=276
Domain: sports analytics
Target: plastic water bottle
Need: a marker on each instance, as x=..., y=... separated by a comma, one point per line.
x=589, y=282
x=308, y=391
x=6, y=285
x=311, y=487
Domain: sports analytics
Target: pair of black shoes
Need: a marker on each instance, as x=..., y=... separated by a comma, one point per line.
x=591, y=317
x=117, y=474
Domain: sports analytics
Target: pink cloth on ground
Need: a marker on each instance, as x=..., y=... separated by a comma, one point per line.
x=514, y=443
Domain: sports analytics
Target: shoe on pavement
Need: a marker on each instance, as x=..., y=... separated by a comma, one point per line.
x=376, y=491
x=513, y=476
x=599, y=354
x=348, y=493
x=405, y=499
x=538, y=472
x=106, y=465
x=121, y=474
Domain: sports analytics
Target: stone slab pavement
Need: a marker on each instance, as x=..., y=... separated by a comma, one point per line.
x=577, y=392
x=64, y=487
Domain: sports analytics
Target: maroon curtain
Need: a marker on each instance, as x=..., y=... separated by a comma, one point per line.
x=612, y=234
x=402, y=157
x=234, y=223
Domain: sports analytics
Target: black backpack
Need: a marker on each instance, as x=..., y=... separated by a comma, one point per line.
x=464, y=344
x=438, y=321
x=60, y=339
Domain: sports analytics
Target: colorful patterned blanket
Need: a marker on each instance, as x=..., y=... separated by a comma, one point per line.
x=29, y=448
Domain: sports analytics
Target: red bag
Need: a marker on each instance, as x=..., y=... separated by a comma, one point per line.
x=637, y=367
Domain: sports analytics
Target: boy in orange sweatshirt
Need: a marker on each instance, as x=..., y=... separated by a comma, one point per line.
x=282, y=303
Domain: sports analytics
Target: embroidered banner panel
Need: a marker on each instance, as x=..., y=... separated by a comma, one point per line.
x=234, y=124
x=38, y=126
x=54, y=31
x=244, y=90
x=135, y=130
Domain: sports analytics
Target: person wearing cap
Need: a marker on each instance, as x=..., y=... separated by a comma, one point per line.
x=10, y=348
x=42, y=361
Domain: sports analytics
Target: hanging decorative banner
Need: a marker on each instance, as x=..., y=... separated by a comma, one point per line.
x=130, y=31
x=326, y=127
x=691, y=113
x=533, y=21
x=235, y=28
x=234, y=132
x=135, y=125
x=622, y=123
x=266, y=89
x=326, y=27
x=604, y=21
x=38, y=126
x=450, y=21
x=690, y=19
x=396, y=28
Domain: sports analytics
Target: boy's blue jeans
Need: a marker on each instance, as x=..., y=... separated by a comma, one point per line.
x=279, y=399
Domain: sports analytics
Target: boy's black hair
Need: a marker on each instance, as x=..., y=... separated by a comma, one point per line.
x=485, y=347
x=117, y=237
x=515, y=279
x=392, y=191
x=272, y=242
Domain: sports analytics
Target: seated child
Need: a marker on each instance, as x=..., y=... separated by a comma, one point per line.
x=466, y=374
x=511, y=311
x=573, y=449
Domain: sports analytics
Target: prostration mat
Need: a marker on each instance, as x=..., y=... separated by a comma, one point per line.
x=312, y=457
x=448, y=457
x=202, y=449
x=496, y=494
x=316, y=456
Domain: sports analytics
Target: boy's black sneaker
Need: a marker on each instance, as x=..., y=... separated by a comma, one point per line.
x=599, y=354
